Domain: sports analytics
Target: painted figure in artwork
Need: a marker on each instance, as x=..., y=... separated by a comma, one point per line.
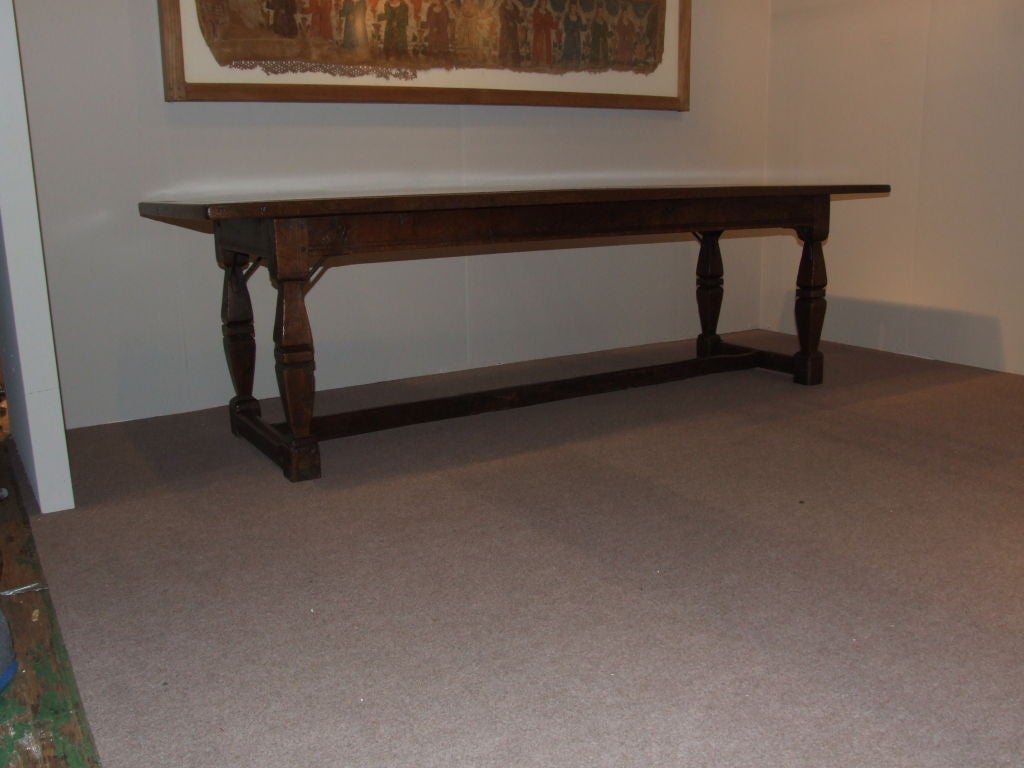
x=468, y=32
x=438, y=25
x=282, y=14
x=625, y=38
x=396, y=28
x=321, y=19
x=510, y=16
x=490, y=29
x=572, y=37
x=353, y=27
x=544, y=26
x=600, y=34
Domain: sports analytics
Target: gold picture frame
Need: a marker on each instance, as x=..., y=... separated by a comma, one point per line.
x=625, y=54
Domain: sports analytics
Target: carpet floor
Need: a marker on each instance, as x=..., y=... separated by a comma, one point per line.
x=728, y=571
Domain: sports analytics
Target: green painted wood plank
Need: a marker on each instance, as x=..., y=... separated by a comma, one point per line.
x=42, y=722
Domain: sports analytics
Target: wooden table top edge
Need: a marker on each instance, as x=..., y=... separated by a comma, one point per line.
x=200, y=215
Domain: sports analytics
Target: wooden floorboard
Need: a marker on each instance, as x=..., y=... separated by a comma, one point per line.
x=42, y=724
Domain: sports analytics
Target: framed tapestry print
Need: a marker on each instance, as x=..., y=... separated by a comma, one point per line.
x=631, y=54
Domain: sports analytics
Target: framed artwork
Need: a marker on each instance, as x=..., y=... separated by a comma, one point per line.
x=632, y=54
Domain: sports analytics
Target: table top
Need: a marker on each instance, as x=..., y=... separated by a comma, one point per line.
x=206, y=211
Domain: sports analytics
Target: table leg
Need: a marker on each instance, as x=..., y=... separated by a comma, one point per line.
x=810, y=310
x=710, y=290
x=239, y=335
x=293, y=352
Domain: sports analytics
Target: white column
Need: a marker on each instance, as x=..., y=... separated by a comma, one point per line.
x=26, y=332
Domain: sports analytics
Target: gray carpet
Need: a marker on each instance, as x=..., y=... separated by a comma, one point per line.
x=726, y=571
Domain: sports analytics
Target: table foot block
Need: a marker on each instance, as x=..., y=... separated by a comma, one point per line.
x=808, y=369
x=299, y=459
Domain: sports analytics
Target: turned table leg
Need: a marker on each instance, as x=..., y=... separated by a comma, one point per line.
x=810, y=310
x=293, y=353
x=710, y=290
x=239, y=335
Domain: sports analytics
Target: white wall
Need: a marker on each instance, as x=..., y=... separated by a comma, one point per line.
x=923, y=94
x=926, y=95
x=136, y=303
x=26, y=340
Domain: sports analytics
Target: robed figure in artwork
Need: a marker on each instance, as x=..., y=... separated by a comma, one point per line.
x=282, y=13
x=572, y=36
x=321, y=18
x=438, y=24
x=544, y=26
x=600, y=35
x=510, y=16
x=625, y=37
x=354, y=38
x=396, y=28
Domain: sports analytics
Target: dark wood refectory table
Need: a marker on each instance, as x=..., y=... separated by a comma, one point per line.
x=297, y=240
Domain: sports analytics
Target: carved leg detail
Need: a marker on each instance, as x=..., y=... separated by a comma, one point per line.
x=810, y=311
x=239, y=335
x=710, y=290
x=293, y=352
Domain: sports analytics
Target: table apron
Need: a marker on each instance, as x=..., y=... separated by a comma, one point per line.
x=337, y=240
